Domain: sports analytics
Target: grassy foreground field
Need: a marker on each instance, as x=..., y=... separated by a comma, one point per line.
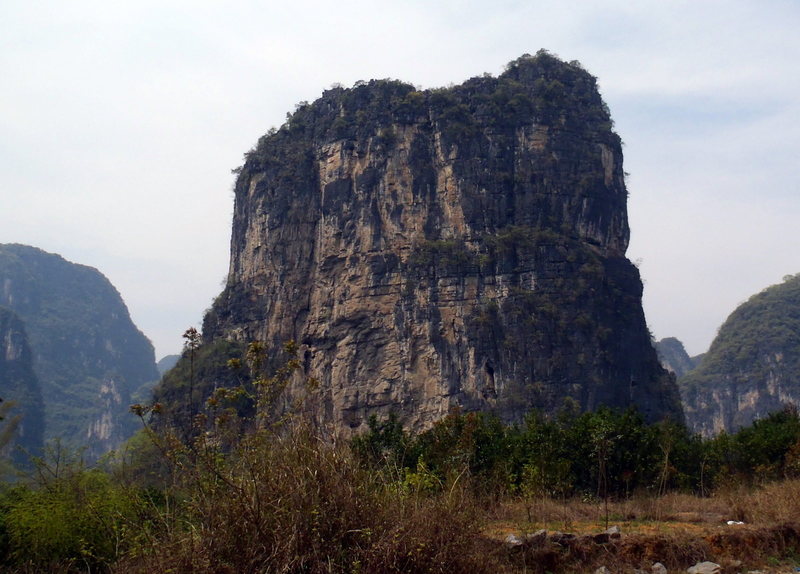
x=232, y=494
x=676, y=530
x=296, y=504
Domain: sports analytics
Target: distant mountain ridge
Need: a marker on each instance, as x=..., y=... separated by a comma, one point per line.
x=674, y=358
x=166, y=362
x=753, y=365
x=87, y=353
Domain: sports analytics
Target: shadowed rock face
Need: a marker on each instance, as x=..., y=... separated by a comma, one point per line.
x=451, y=248
x=20, y=388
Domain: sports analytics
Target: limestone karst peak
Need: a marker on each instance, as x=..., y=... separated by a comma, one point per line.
x=460, y=247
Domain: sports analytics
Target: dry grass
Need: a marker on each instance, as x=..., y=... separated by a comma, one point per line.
x=298, y=504
x=638, y=512
x=677, y=530
x=771, y=504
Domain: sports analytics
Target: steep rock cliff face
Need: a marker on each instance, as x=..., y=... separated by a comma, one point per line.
x=753, y=365
x=23, y=409
x=461, y=247
x=86, y=352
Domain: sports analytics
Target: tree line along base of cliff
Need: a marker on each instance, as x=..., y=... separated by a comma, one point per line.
x=282, y=498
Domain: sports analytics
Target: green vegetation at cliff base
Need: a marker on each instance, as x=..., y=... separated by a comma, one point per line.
x=283, y=497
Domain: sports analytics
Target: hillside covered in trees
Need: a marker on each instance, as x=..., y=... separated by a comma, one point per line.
x=85, y=351
x=753, y=366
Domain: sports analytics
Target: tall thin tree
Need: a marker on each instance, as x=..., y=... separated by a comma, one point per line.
x=192, y=343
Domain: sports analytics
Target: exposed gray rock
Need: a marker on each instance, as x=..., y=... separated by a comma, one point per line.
x=427, y=253
x=529, y=540
x=705, y=568
x=22, y=403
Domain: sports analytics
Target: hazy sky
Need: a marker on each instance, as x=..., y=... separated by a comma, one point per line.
x=120, y=122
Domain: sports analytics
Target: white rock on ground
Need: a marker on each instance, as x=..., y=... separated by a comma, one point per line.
x=705, y=568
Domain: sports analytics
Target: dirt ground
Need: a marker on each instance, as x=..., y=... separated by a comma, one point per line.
x=678, y=532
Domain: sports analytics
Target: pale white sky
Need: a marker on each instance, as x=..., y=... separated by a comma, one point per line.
x=121, y=120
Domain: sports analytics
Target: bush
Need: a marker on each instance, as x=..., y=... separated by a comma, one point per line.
x=75, y=517
x=275, y=496
x=290, y=502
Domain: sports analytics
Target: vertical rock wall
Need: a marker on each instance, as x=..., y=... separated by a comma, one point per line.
x=449, y=248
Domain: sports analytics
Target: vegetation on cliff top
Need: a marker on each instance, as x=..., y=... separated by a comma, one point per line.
x=539, y=88
x=761, y=328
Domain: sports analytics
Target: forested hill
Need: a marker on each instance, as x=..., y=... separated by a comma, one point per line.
x=87, y=353
x=753, y=365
